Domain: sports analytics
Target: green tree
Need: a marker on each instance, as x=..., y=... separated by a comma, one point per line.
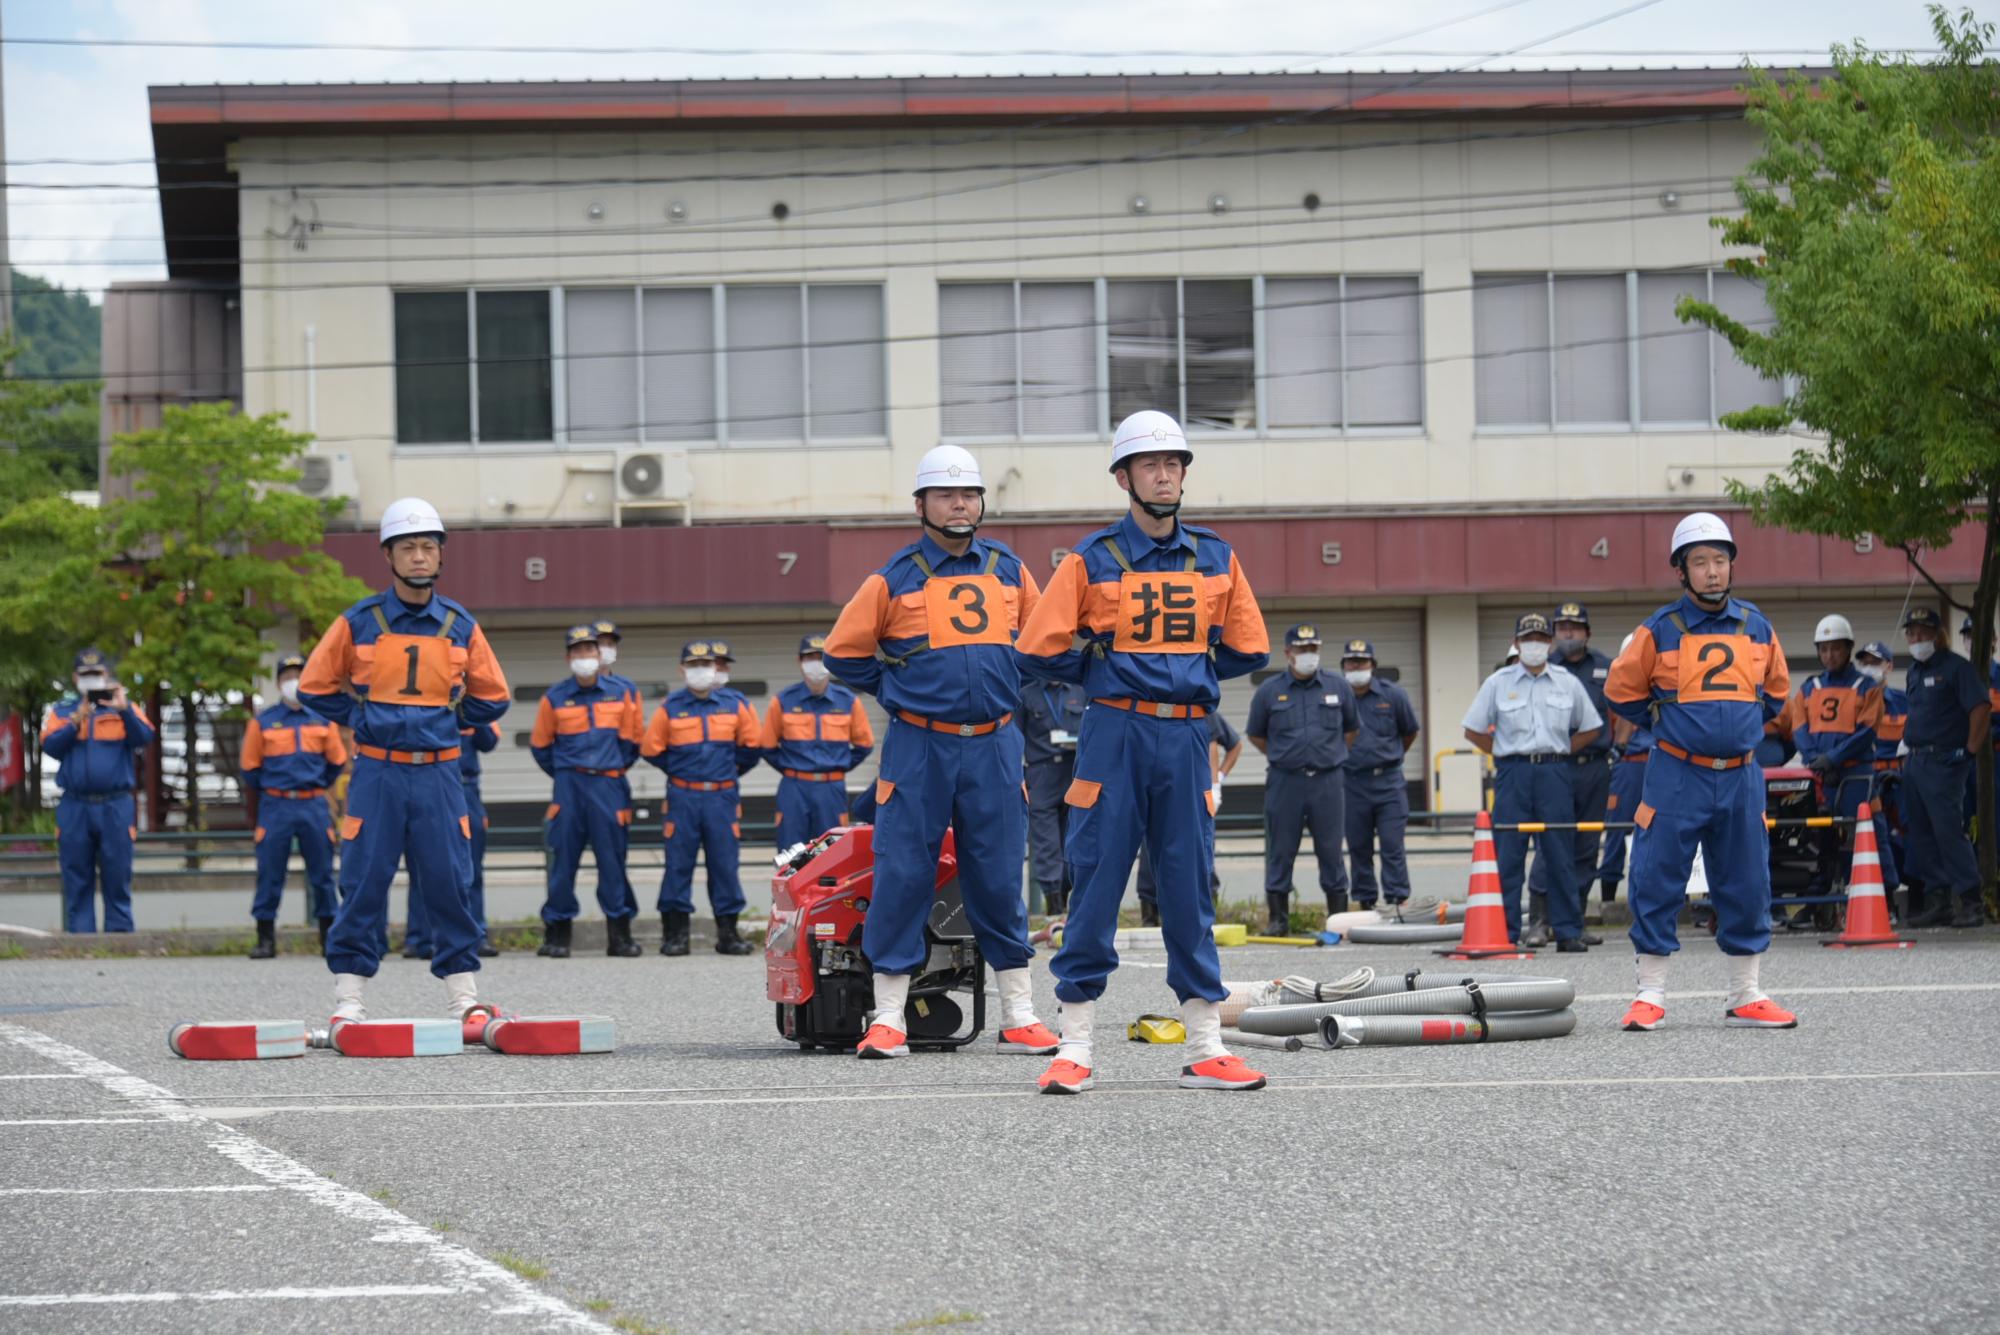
x=211, y=549
x=48, y=430
x=1873, y=211
x=61, y=331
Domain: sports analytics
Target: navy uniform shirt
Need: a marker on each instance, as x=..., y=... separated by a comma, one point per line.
x=1387, y=717
x=1304, y=723
x=1220, y=731
x=1943, y=693
x=1050, y=706
x=1593, y=669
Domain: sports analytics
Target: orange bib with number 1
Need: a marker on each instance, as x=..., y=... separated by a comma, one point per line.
x=411, y=670
x=967, y=609
x=1720, y=668
x=1161, y=612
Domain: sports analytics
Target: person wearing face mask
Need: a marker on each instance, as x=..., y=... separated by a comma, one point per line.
x=1378, y=801
x=95, y=738
x=586, y=736
x=1590, y=783
x=704, y=736
x=1532, y=717
x=1949, y=725
x=1875, y=660
x=608, y=641
x=290, y=757
x=1705, y=672
x=931, y=636
x=406, y=668
x=815, y=730
x=1303, y=720
x=1165, y=613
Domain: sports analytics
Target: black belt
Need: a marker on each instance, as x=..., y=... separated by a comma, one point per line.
x=1937, y=750
x=1537, y=758
x=98, y=799
x=1593, y=757
x=1306, y=773
x=1375, y=772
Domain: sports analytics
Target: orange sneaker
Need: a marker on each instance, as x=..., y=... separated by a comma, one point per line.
x=1643, y=1017
x=1765, y=1014
x=1223, y=1072
x=1035, y=1039
x=1065, y=1077
x=881, y=1043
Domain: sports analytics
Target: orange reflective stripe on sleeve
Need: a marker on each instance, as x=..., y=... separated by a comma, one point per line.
x=544, y=733
x=1777, y=677
x=53, y=722
x=331, y=665
x=252, y=756
x=1869, y=715
x=1243, y=622
x=748, y=729
x=655, y=741
x=1031, y=593
x=483, y=677
x=860, y=731
x=336, y=750
x=1794, y=713
x=1051, y=628
x=634, y=725
x=858, y=632
x=1631, y=676
x=773, y=724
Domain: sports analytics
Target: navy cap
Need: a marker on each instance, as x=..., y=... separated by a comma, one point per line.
x=580, y=635
x=1574, y=612
x=698, y=649
x=290, y=663
x=722, y=653
x=1532, y=623
x=812, y=644
x=1301, y=635
x=1876, y=649
x=90, y=659
x=604, y=628
x=1358, y=649
x=1922, y=616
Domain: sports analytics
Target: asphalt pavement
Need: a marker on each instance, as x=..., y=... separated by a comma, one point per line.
x=707, y=1177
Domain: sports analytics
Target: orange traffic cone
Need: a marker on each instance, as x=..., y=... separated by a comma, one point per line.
x=1485, y=934
x=1867, y=905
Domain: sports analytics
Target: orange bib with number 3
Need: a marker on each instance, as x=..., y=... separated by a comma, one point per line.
x=967, y=609
x=1161, y=612
x=1720, y=668
x=411, y=670
x=1833, y=709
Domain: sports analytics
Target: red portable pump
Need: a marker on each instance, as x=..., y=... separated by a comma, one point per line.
x=814, y=968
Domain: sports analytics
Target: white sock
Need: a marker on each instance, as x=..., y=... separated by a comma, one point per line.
x=892, y=990
x=1017, y=997
x=1203, y=1022
x=1743, y=989
x=1653, y=979
x=347, y=997
x=463, y=990
x=1076, y=1018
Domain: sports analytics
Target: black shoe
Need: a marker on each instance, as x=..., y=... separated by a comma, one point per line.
x=1590, y=938
x=618, y=942
x=1055, y=903
x=1280, y=907
x=1573, y=946
x=267, y=942
x=1337, y=903
x=555, y=940
x=1971, y=913
x=673, y=933
x=1149, y=913
x=1938, y=914
x=727, y=942
x=412, y=951
x=1538, y=934
x=325, y=926
x=1608, y=890
x=487, y=950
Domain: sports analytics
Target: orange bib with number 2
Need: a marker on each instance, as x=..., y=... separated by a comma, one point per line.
x=411, y=670
x=1719, y=668
x=1161, y=612
x=967, y=609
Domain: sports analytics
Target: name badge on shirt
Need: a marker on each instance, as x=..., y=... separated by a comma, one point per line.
x=1333, y=700
x=1601, y=673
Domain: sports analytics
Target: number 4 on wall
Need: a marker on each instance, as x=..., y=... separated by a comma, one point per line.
x=1601, y=549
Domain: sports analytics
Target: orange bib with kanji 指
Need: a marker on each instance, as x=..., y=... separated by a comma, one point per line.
x=411, y=670
x=1161, y=612
x=966, y=609
x=1718, y=669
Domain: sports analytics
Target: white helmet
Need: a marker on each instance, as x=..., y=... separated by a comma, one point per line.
x=1833, y=628
x=1701, y=527
x=409, y=516
x=1148, y=432
x=948, y=466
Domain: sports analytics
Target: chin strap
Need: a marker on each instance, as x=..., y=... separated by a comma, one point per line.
x=955, y=533
x=1160, y=511
x=1716, y=604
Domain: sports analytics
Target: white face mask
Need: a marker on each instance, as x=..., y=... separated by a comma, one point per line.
x=1873, y=671
x=607, y=653
x=92, y=681
x=722, y=676
x=1360, y=677
x=583, y=667
x=814, y=671
x=289, y=690
x=700, y=678
x=1534, y=653
x=1305, y=664
x=1921, y=650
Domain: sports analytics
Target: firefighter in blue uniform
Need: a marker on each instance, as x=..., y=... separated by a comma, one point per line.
x=1949, y=725
x=609, y=639
x=1833, y=716
x=1631, y=744
x=1875, y=660
x=1707, y=672
x=1225, y=747
x=1378, y=801
x=1051, y=714
x=931, y=636
x=1165, y=614
x=406, y=668
x=1590, y=782
x=703, y=737
x=586, y=736
x=472, y=743
x=815, y=731
x=290, y=757
x=1303, y=720
x=95, y=738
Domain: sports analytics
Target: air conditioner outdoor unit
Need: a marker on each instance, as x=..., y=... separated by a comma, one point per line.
x=652, y=482
x=328, y=477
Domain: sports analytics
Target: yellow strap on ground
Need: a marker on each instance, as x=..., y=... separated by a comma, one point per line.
x=1281, y=940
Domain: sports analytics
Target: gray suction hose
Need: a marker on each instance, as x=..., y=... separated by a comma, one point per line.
x=1479, y=995
x=1352, y=1031
x=1404, y=933
x=1236, y=1038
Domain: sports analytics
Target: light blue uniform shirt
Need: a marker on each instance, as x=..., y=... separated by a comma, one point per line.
x=1531, y=714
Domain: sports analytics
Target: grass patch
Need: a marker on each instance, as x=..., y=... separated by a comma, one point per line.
x=598, y=1305
x=521, y=1266
x=384, y=1195
x=11, y=949
x=440, y=1225
x=632, y=1325
x=939, y=1320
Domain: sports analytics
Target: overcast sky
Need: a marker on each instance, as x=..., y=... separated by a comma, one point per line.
x=90, y=102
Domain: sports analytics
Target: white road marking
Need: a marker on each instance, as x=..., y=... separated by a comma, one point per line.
x=231, y=1295
x=86, y=1121
x=124, y=1191
x=48, y=1075
x=1868, y=990
x=468, y=1270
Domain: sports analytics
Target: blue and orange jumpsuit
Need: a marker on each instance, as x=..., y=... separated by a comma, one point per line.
x=1163, y=623
x=97, y=820
x=585, y=738
x=1833, y=718
x=471, y=743
x=290, y=757
x=417, y=675
x=931, y=635
x=812, y=741
x=703, y=746
x=1706, y=683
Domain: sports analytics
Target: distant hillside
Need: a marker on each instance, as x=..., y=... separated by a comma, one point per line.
x=59, y=329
